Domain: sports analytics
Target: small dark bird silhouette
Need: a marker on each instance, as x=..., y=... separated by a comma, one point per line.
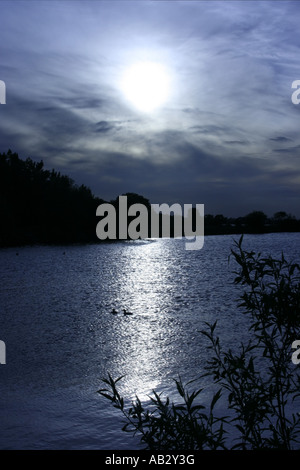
x=114, y=312
x=126, y=312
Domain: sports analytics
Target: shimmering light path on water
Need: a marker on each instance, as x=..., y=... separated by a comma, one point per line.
x=61, y=337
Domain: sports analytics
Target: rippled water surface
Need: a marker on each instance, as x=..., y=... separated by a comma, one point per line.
x=61, y=337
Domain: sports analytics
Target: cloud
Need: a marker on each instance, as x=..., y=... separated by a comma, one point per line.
x=236, y=142
x=83, y=102
x=293, y=150
x=106, y=126
x=280, y=139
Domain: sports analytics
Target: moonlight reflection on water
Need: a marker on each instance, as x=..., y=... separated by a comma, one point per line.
x=61, y=337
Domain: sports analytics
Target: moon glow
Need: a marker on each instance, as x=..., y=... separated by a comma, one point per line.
x=146, y=85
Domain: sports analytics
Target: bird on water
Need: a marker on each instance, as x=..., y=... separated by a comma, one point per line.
x=126, y=312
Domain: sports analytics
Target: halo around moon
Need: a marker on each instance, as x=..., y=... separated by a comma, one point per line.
x=146, y=85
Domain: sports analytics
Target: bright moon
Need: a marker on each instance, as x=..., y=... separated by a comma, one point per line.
x=146, y=86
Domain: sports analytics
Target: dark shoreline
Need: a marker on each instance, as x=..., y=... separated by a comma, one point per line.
x=95, y=241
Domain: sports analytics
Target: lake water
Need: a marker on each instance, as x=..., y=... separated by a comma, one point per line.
x=61, y=337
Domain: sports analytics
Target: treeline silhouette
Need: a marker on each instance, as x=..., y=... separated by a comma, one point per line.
x=254, y=222
x=42, y=206
x=38, y=206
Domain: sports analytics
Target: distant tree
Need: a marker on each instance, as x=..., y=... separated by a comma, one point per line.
x=208, y=219
x=132, y=198
x=255, y=221
x=217, y=224
x=285, y=222
x=220, y=219
x=280, y=215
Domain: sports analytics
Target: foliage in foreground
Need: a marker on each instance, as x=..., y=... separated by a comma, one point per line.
x=169, y=426
x=258, y=381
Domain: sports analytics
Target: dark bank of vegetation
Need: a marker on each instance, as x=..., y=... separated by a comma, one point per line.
x=255, y=222
x=258, y=382
x=42, y=206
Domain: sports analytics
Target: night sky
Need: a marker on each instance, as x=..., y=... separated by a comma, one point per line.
x=224, y=131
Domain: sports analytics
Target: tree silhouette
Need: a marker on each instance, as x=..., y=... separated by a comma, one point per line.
x=256, y=221
x=42, y=206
